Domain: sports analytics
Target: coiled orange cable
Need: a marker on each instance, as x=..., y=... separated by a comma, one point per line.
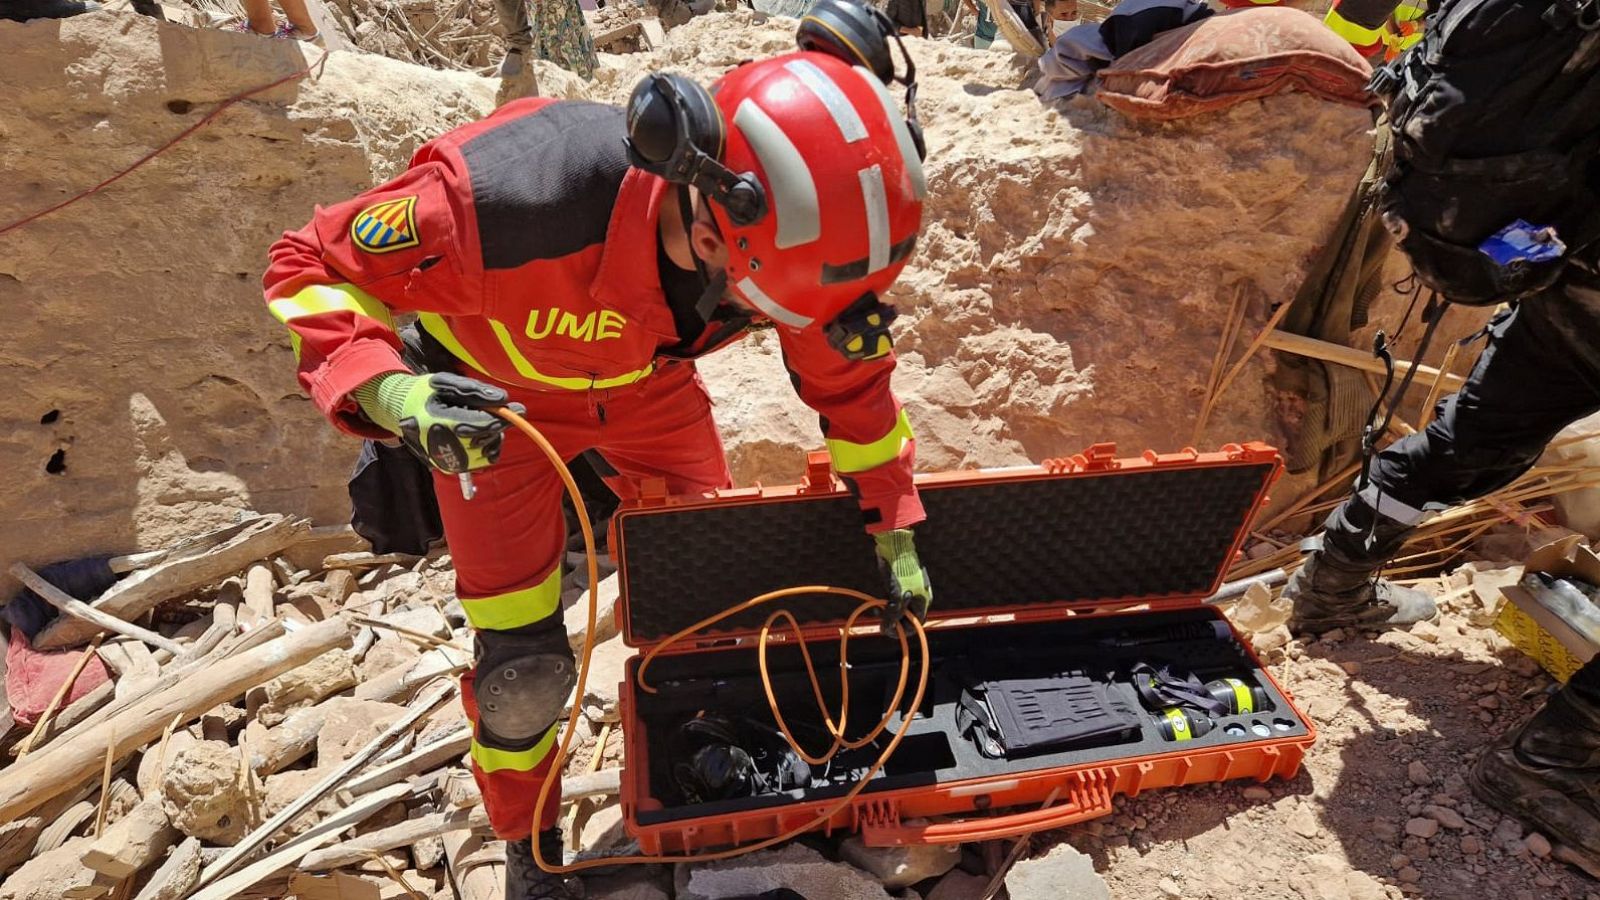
x=836, y=729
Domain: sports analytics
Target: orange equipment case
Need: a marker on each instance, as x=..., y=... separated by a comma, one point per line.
x=1033, y=562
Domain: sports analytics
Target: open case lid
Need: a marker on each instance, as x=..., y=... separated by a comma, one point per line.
x=1091, y=531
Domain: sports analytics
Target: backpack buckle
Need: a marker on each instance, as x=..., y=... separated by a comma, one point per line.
x=1583, y=13
x=1385, y=82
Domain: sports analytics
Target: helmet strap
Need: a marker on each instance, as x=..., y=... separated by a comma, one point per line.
x=713, y=286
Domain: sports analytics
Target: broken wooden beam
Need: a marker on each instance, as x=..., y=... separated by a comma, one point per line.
x=364, y=560
x=474, y=880
x=402, y=835
x=328, y=784
x=259, y=585
x=87, y=616
x=178, y=575
x=176, y=876
x=228, y=887
x=33, y=780
x=423, y=759
x=1300, y=345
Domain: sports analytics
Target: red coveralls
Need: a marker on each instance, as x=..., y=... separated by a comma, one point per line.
x=529, y=249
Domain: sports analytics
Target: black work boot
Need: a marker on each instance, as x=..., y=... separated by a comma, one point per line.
x=1547, y=773
x=1337, y=585
x=526, y=881
x=1331, y=592
x=23, y=10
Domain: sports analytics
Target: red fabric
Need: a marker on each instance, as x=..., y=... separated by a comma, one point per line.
x=34, y=676
x=615, y=282
x=1231, y=57
x=512, y=535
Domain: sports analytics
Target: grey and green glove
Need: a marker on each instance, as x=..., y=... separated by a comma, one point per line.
x=442, y=417
x=908, y=584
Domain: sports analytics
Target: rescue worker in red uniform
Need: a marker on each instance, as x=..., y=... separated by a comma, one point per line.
x=573, y=259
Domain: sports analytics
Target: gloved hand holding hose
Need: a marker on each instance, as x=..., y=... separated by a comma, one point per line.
x=443, y=418
x=907, y=579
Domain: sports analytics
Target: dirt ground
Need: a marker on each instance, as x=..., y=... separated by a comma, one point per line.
x=1401, y=718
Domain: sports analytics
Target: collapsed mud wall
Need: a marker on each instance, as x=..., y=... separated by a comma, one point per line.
x=149, y=395
x=1070, y=287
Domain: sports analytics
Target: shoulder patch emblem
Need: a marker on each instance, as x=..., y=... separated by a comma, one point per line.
x=387, y=226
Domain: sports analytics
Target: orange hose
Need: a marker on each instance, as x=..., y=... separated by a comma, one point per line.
x=836, y=729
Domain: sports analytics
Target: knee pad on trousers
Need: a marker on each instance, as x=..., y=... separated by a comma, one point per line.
x=521, y=686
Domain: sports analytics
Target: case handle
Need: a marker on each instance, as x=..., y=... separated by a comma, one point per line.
x=1088, y=797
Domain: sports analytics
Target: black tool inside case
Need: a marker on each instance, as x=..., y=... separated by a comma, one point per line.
x=1026, y=541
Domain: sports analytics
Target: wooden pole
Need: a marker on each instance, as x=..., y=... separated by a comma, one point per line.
x=401, y=835
x=180, y=573
x=78, y=609
x=1301, y=345
x=335, y=779
x=423, y=759
x=31, y=781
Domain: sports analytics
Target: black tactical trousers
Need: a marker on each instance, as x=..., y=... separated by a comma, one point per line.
x=1539, y=373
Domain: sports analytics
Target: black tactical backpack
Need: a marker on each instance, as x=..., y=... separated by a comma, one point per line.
x=1495, y=120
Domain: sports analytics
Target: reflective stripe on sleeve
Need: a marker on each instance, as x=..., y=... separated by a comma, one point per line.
x=326, y=298
x=849, y=457
x=1350, y=31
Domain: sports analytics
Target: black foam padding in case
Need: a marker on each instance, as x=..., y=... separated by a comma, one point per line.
x=1134, y=534
x=935, y=752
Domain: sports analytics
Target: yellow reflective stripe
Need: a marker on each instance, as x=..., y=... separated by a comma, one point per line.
x=1410, y=12
x=1178, y=723
x=1350, y=31
x=434, y=324
x=526, y=369
x=492, y=760
x=325, y=298
x=518, y=608
x=849, y=457
x=1243, y=701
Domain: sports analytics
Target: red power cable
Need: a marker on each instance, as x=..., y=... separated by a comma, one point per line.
x=204, y=120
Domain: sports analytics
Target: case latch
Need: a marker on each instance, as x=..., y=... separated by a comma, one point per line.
x=1251, y=451
x=1098, y=458
x=652, y=491
x=819, y=474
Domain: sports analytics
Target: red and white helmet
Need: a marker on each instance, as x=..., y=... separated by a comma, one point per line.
x=842, y=179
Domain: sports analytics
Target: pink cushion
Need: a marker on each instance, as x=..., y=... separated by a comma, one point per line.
x=1231, y=57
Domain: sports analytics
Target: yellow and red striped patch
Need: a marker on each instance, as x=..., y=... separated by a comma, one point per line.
x=386, y=227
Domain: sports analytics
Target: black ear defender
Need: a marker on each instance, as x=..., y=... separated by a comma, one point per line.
x=860, y=35
x=676, y=131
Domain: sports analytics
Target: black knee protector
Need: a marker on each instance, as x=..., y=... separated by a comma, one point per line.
x=521, y=685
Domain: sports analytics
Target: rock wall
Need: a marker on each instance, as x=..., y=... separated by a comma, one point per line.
x=149, y=394
x=1070, y=286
